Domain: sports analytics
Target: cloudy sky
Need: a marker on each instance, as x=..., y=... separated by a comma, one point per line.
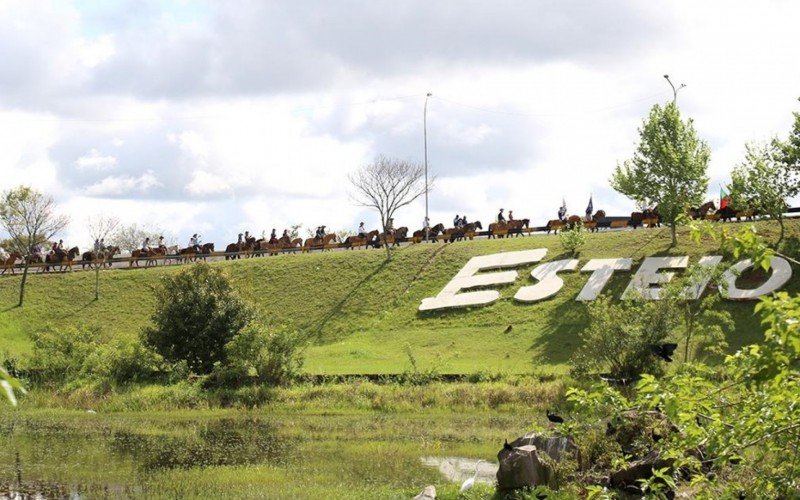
x=216, y=117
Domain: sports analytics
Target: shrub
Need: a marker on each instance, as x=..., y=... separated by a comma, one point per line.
x=197, y=313
x=620, y=336
x=267, y=356
x=573, y=238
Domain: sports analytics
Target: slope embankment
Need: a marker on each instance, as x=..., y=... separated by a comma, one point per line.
x=363, y=310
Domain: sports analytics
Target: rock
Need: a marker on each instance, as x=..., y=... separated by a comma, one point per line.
x=429, y=493
x=522, y=467
x=639, y=469
x=556, y=447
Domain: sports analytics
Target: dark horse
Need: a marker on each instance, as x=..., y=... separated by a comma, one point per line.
x=61, y=258
x=433, y=232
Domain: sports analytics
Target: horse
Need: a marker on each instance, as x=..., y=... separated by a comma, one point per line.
x=392, y=239
x=701, y=211
x=498, y=229
x=648, y=216
x=352, y=242
x=555, y=225
x=9, y=261
x=312, y=243
x=63, y=259
x=418, y=236
x=148, y=254
x=102, y=257
x=465, y=231
x=515, y=226
x=235, y=249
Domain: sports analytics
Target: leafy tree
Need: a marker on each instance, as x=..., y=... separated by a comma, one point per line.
x=668, y=168
x=271, y=355
x=764, y=183
x=388, y=184
x=197, y=313
x=30, y=218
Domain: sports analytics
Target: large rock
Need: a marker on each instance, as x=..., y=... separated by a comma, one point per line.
x=522, y=467
x=556, y=447
x=640, y=469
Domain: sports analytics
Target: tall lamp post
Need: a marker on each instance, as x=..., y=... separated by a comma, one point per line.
x=425, y=137
x=674, y=90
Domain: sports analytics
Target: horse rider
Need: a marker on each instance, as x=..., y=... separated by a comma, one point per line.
x=146, y=245
x=362, y=231
x=194, y=242
x=320, y=234
x=463, y=221
x=426, y=223
x=97, y=247
x=456, y=220
x=285, y=236
x=273, y=237
x=510, y=215
x=102, y=244
x=247, y=236
x=161, y=242
x=390, y=226
x=240, y=242
x=500, y=217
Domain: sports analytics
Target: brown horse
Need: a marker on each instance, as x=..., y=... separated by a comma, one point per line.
x=149, y=255
x=393, y=239
x=701, y=211
x=8, y=262
x=61, y=258
x=314, y=243
x=555, y=225
x=515, y=226
x=356, y=241
x=433, y=232
x=648, y=217
x=465, y=231
x=101, y=258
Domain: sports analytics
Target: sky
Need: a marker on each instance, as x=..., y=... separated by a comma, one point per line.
x=220, y=117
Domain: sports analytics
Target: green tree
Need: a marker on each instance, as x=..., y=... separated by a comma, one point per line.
x=197, y=313
x=30, y=218
x=573, y=238
x=764, y=183
x=668, y=168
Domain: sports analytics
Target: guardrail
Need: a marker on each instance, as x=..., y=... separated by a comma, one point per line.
x=609, y=222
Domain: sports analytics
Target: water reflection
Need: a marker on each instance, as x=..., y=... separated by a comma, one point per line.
x=214, y=443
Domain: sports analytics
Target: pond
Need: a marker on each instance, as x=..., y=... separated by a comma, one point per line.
x=227, y=453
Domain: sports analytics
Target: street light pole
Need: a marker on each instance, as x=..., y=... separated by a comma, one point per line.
x=425, y=137
x=674, y=90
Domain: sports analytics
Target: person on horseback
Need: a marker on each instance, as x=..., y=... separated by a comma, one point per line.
x=102, y=244
x=390, y=226
x=161, y=242
x=463, y=221
x=426, y=223
x=247, y=236
x=273, y=237
x=456, y=220
x=362, y=231
x=500, y=217
x=320, y=234
x=146, y=245
x=194, y=242
x=510, y=216
x=96, y=245
x=240, y=242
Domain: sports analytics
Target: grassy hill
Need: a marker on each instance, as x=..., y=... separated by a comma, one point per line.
x=364, y=311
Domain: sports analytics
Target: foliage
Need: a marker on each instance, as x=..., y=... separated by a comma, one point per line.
x=668, y=168
x=764, y=183
x=73, y=354
x=573, y=238
x=620, y=336
x=388, y=184
x=197, y=312
x=130, y=237
x=272, y=356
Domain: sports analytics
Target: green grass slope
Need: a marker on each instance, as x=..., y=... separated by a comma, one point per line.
x=363, y=310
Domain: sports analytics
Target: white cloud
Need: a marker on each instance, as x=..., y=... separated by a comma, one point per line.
x=123, y=185
x=205, y=183
x=94, y=160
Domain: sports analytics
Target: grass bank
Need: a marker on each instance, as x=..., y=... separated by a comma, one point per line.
x=362, y=311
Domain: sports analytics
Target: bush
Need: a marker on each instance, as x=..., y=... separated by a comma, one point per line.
x=64, y=356
x=197, y=314
x=263, y=355
x=573, y=238
x=619, y=337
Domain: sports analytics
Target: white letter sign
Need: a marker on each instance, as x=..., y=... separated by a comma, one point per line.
x=549, y=284
x=467, y=278
x=602, y=269
x=781, y=272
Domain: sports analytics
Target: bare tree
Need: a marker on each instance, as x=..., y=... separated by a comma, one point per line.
x=386, y=185
x=30, y=219
x=129, y=238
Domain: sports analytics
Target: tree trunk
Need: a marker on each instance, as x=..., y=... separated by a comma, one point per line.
x=22, y=284
x=780, y=238
x=674, y=234
x=97, y=281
